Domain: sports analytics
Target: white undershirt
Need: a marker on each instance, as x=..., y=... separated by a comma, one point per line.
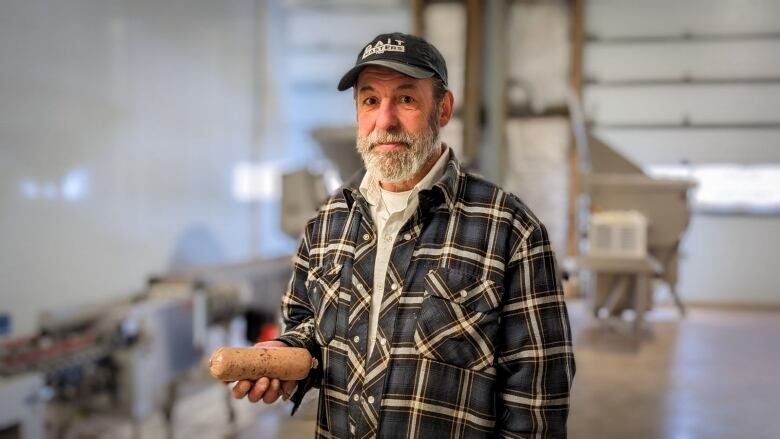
x=390, y=211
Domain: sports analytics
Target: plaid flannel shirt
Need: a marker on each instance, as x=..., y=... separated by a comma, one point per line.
x=473, y=338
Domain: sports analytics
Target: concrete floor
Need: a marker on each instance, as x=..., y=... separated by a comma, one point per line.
x=710, y=375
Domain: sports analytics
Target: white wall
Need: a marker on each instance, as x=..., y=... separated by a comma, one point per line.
x=538, y=46
x=319, y=46
x=537, y=147
x=120, y=123
x=537, y=171
x=731, y=260
x=537, y=62
x=732, y=59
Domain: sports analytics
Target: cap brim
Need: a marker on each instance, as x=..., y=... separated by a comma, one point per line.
x=350, y=78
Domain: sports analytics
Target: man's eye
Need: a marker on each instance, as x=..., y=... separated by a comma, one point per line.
x=370, y=101
x=407, y=99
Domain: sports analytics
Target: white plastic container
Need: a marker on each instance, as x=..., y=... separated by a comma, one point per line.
x=617, y=234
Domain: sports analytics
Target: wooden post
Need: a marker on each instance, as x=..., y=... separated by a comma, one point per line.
x=472, y=99
x=575, y=80
x=418, y=18
x=493, y=151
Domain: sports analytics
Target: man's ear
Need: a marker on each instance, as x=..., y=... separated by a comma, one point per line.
x=447, y=105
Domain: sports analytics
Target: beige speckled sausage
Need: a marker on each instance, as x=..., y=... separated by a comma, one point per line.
x=285, y=363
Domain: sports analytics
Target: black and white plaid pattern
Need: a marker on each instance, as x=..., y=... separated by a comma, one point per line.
x=473, y=338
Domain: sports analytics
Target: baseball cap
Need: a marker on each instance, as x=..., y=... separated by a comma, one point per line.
x=406, y=54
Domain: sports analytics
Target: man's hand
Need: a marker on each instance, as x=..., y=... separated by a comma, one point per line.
x=266, y=389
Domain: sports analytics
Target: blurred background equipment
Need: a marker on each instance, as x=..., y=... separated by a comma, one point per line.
x=630, y=227
x=659, y=217
x=184, y=149
x=338, y=146
x=22, y=405
x=128, y=358
x=617, y=233
x=302, y=194
x=304, y=191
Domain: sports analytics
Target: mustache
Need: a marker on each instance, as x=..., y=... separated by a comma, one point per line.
x=401, y=137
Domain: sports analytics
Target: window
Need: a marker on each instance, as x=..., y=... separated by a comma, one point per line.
x=729, y=188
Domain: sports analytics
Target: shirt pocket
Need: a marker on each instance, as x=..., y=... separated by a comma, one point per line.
x=459, y=319
x=324, y=286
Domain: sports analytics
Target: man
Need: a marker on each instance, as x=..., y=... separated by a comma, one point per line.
x=429, y=295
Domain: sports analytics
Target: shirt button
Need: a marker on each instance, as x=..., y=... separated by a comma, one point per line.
x=366, y=237
x=370, y=399
x=388, y=238
x=463, y=294
x=407, y=236
x=394, y=287
x=356, y=397
x=382, y=341
x=356, y=339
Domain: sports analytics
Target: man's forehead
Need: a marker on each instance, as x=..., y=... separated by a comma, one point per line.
x=379, y=74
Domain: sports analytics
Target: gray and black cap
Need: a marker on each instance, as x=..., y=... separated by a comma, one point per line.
x=406, y=54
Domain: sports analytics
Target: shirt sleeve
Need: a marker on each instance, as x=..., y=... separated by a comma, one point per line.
x=298, y=319
x=535, y=358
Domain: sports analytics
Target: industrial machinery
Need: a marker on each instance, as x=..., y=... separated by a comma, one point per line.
x=615, y=183
x=22, y=404
x=616, y=189
x=615, y=233
x=124, y=358
x=338, y=146
x=304, y=191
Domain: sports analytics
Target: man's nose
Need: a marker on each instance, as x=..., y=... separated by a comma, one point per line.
x=387, y=118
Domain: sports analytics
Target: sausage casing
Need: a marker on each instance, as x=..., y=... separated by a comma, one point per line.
x=252, y=363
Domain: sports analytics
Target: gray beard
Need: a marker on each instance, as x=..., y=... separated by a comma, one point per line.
x=402, y=164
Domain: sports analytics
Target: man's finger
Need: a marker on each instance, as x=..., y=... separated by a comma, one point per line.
x=288, y=387
x=259, y=389
x=241, y=388
x=272, y=394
